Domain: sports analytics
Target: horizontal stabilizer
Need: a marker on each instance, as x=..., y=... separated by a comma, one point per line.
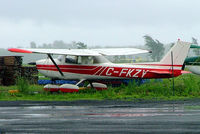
x=162, y=72
x=185, y=72
x=169, y=72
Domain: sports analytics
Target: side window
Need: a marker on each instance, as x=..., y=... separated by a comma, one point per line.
x=85, y=60
x=60, y=58
x=90, y=60
x=71, y=59
x=79, y=60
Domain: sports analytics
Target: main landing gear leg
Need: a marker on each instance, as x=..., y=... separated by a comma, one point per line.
x=78, y=83
x=53, y=81
x=91, y=84
x=81, y=81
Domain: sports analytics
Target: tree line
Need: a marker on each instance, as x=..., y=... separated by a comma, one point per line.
x=59, y=44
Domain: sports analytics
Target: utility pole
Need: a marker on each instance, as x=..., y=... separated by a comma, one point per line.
x=172, y=71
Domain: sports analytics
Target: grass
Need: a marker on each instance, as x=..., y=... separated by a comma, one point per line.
x=186, y=87
x=22, y=85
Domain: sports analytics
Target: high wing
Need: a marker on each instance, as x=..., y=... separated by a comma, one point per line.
x=82, y=52
x=119, y=51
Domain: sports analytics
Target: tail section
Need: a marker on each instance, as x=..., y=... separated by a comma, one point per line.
x=180, y=51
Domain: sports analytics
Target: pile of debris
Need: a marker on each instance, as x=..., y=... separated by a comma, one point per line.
x=11, y=68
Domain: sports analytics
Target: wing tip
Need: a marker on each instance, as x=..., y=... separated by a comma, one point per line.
x=18, y=50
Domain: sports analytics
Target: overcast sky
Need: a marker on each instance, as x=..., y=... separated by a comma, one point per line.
x=97, y=22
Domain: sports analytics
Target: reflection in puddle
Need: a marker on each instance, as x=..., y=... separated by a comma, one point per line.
x=37, y=115
x=1, y=120
x=133, y=114
x=56, y=107
x=97, y=111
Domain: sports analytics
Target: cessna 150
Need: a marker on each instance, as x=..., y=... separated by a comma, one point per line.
x=90, y=65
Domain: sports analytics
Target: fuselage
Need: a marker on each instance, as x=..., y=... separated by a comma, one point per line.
x=106, y=70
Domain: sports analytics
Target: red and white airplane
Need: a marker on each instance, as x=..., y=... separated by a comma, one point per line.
x=90, y=64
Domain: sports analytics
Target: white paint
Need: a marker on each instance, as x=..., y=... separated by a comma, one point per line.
x=144, y=73
x=136, y=74
x=108, y=72
x=129, y=72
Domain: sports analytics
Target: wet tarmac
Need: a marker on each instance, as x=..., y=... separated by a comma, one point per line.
x=100, y=117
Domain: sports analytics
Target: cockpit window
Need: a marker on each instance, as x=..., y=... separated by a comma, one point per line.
x=87, y=60
x=60, y=58
x=90, y=60
x=71, y=59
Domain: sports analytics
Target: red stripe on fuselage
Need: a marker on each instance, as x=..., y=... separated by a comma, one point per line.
x=125, y=72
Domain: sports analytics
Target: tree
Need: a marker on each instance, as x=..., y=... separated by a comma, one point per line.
x=194, y=41
x=155, y=46
x=195, y=50
x=59, y=44
x=172, y=44
x=33, y=44
x=45, y=45
x=81, y=45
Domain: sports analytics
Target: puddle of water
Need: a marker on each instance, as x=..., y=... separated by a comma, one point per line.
x=3, y=120
x=8, y=108
x=36, y=115
x=56, y=107
x=38, y=107
x=142, y=110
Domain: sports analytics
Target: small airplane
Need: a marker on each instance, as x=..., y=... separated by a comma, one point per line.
x=193, y=63
x=90, y=65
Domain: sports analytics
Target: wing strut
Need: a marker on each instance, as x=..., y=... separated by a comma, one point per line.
x=49, y=55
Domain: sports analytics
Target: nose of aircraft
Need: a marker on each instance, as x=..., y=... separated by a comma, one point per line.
x=32, y=63
x=42, y=61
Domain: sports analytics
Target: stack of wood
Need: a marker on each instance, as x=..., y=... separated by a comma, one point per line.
x=11, y=68
x=31, y=73
x=12, y=60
